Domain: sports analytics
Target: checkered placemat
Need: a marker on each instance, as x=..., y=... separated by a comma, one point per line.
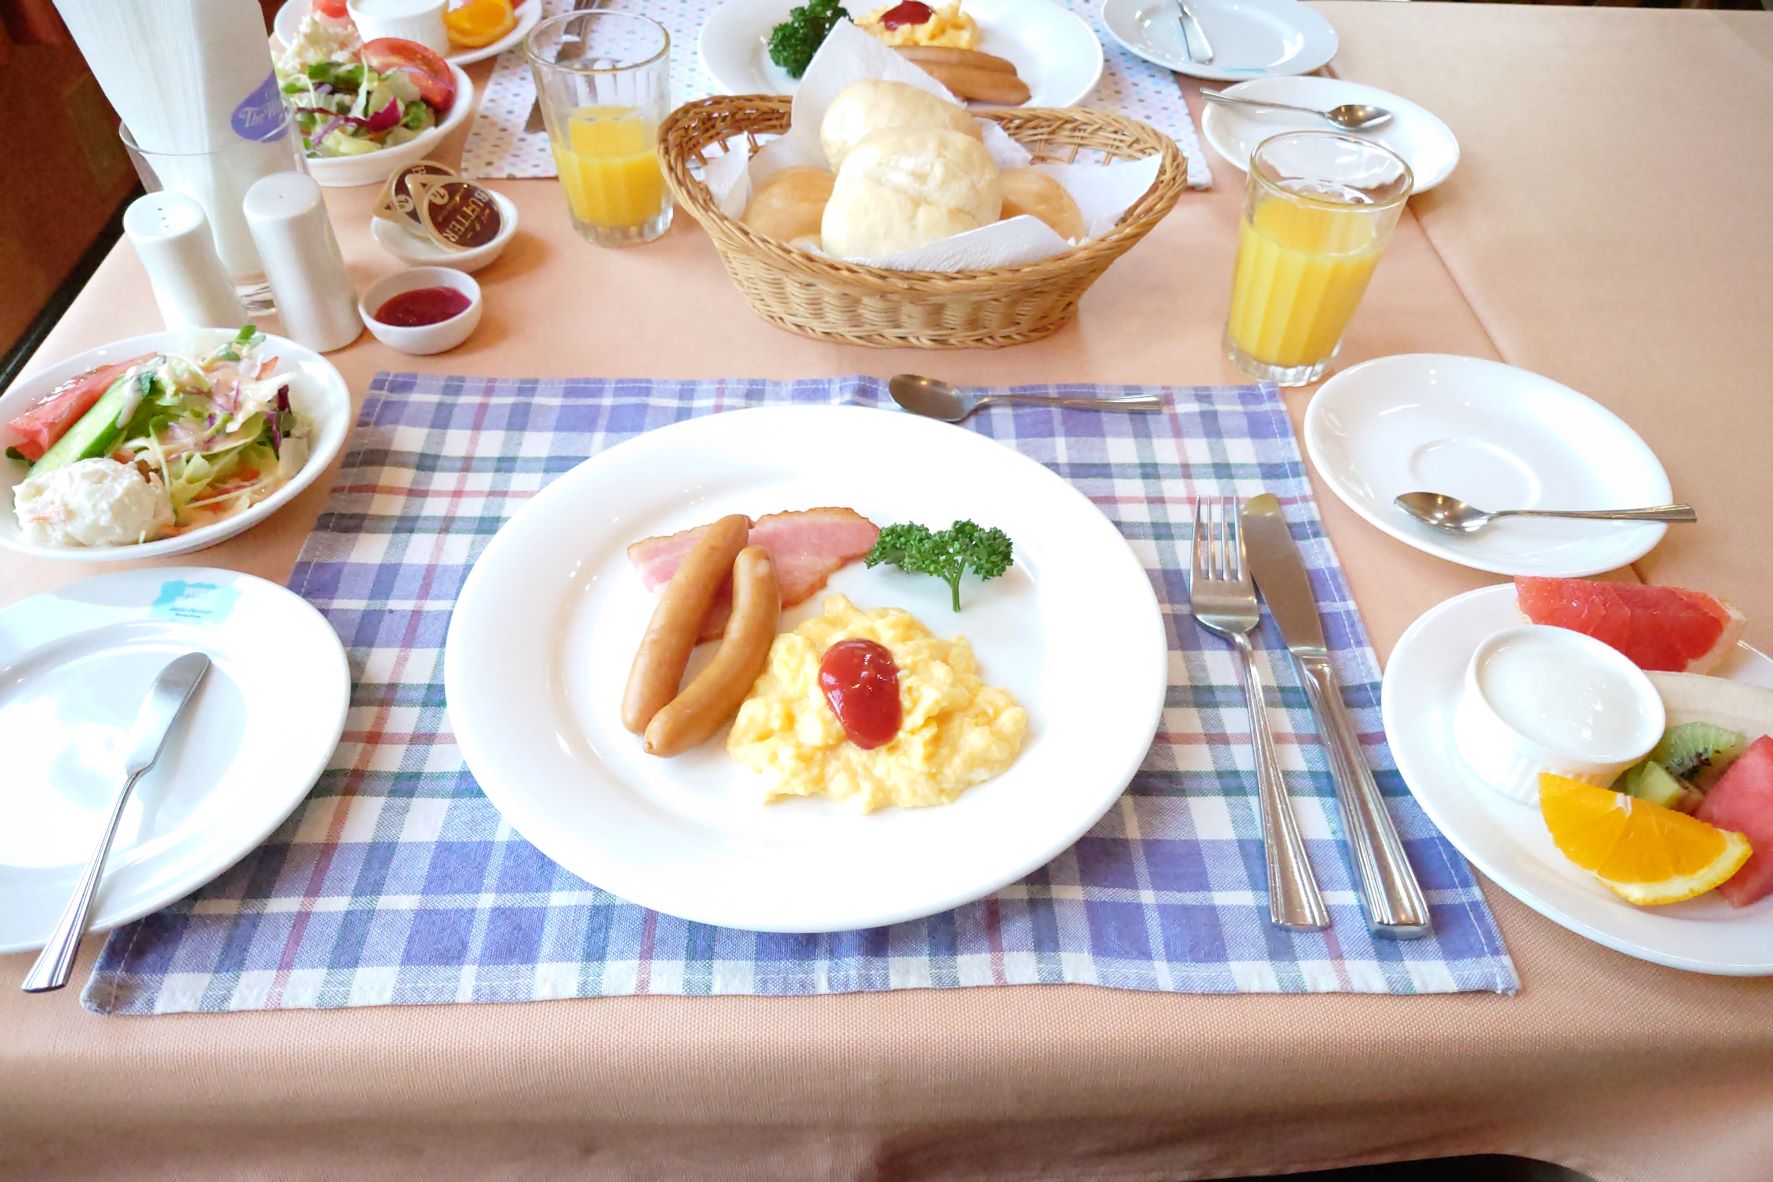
x=499, y=147
x=397, y=881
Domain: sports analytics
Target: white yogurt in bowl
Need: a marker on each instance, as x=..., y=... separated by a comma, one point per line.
x=1541, y=699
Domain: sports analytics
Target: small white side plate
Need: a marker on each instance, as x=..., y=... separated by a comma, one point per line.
x=1055, y=53
x=74, y=667
x=372, y=168
x=319, y=392
x=1497, y=437
x=1426, y=144
x=528, y=12
x=1249, y=37
x=546, y=626
x=1508, y=841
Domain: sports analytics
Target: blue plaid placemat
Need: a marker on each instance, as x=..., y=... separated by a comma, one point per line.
x=396, y=881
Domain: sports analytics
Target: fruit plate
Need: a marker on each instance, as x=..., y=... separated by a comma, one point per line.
x=1497, y=437
x=74, y=666
x=1054, y=51
x=318, y=392
x=1509, y=842
x=528, y=12
x=547, y=623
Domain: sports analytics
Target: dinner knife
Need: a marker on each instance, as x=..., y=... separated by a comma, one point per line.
x=1390, y=894
x=1192, y=32
x=166, y=700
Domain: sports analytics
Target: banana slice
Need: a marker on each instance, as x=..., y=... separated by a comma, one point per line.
x=1691, y=697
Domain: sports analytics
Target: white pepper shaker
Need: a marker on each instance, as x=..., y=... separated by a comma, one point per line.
x=191, y=288
x=302, y=261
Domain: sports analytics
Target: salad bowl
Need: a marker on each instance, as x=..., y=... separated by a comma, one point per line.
x=373, y=168
x=317, y=393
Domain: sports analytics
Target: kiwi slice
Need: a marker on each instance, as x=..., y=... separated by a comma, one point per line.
x=1693, y=748
x=1651, y=781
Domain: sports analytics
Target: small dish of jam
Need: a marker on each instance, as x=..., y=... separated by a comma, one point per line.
x=422, y=311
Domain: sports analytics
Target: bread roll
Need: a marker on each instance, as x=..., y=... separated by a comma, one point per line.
x=790, y=204
x=1028, y=191
x=903, y=187
x=865, y=107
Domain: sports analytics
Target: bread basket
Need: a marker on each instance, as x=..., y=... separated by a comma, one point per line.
x=856, y=305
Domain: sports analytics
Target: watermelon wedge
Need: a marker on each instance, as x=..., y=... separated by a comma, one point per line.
x=48, y=419
x=1662, y=628
x=1743, y=800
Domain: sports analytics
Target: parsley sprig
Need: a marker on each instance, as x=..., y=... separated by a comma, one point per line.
x=947, y=554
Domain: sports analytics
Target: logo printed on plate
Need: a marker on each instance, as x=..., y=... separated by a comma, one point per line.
x=194, y=602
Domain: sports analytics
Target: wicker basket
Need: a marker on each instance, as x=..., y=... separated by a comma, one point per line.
x=834, y=301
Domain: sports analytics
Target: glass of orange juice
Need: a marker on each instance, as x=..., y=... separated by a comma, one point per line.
x=1318, y=212
x=603, y=81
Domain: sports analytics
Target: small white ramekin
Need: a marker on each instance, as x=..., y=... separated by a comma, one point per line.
x=424, y=339
x=1508, y=760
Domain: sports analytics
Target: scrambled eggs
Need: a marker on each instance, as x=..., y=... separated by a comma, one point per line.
x=948, y=26
x=957, y=731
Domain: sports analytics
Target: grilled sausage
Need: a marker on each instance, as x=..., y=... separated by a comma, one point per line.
x=670, y=637
x=942, y=55
x=713, y=695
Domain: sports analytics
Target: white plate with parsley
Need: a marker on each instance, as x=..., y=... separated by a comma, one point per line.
x=547, y=625
x=1055, y=52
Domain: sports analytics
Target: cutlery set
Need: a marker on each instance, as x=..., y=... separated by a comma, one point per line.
x=1238, y=549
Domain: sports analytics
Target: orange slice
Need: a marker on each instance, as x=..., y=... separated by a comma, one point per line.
x=480, y=22
x=1643, y=852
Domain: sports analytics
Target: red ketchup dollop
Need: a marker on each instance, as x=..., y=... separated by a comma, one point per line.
x=911, y=12
x=422, y=306
x=861, y=685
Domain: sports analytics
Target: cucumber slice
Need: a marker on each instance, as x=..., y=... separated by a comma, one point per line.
x=94, y=433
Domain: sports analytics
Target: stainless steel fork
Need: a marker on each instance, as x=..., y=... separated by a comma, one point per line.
x=1223, y=598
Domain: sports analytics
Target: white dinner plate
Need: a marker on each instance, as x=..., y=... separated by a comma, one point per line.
x=1509, y=842
x=528, y=12
x=75, y=665
x=1249, y=37
x=1055, y=53
x=1425, y=143
x=318, y=392
x=548, y=621
x=1496, y=437
x=372, y=168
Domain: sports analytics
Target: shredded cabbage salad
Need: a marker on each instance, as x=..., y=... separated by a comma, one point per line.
x=349, y=108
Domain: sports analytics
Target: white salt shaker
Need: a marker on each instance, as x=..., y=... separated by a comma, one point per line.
x=171, y=236
x=302, y=261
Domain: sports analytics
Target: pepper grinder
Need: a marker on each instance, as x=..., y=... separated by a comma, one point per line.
x=171, y=236
x=302, y=261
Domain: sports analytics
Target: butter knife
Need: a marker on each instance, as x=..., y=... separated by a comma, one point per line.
x=1390, y=894
x=1192, y=32
x=166, y=700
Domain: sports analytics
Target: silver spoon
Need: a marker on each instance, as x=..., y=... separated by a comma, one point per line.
x=936, y=399
x=1456, y=517
x=1350, y=116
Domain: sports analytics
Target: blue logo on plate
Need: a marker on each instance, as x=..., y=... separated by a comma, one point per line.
x=197, y=602
x=260, y=115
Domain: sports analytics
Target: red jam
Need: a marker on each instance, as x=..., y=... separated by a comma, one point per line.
x=911, y=12
x=861, y=685
x=422, y=306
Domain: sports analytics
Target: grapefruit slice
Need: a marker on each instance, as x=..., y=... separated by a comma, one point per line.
x=1642, y=852
x=1661, y=628
x=1743, y=800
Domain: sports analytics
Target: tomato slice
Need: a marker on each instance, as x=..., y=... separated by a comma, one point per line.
x=428, y=71
x=47, y=419
x=329, y=10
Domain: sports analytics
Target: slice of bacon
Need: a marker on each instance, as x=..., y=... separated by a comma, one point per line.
x=808, y=545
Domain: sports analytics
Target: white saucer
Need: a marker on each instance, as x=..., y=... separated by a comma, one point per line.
x=1055, y=52
x=1509, y=842
x=1249, y=37
x=528, y=12
x=1426, y=144
x=1497, y=437
x=74, y=667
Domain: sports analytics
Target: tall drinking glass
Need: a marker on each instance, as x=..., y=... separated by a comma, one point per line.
x=603, y=80
x=1318, y=211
